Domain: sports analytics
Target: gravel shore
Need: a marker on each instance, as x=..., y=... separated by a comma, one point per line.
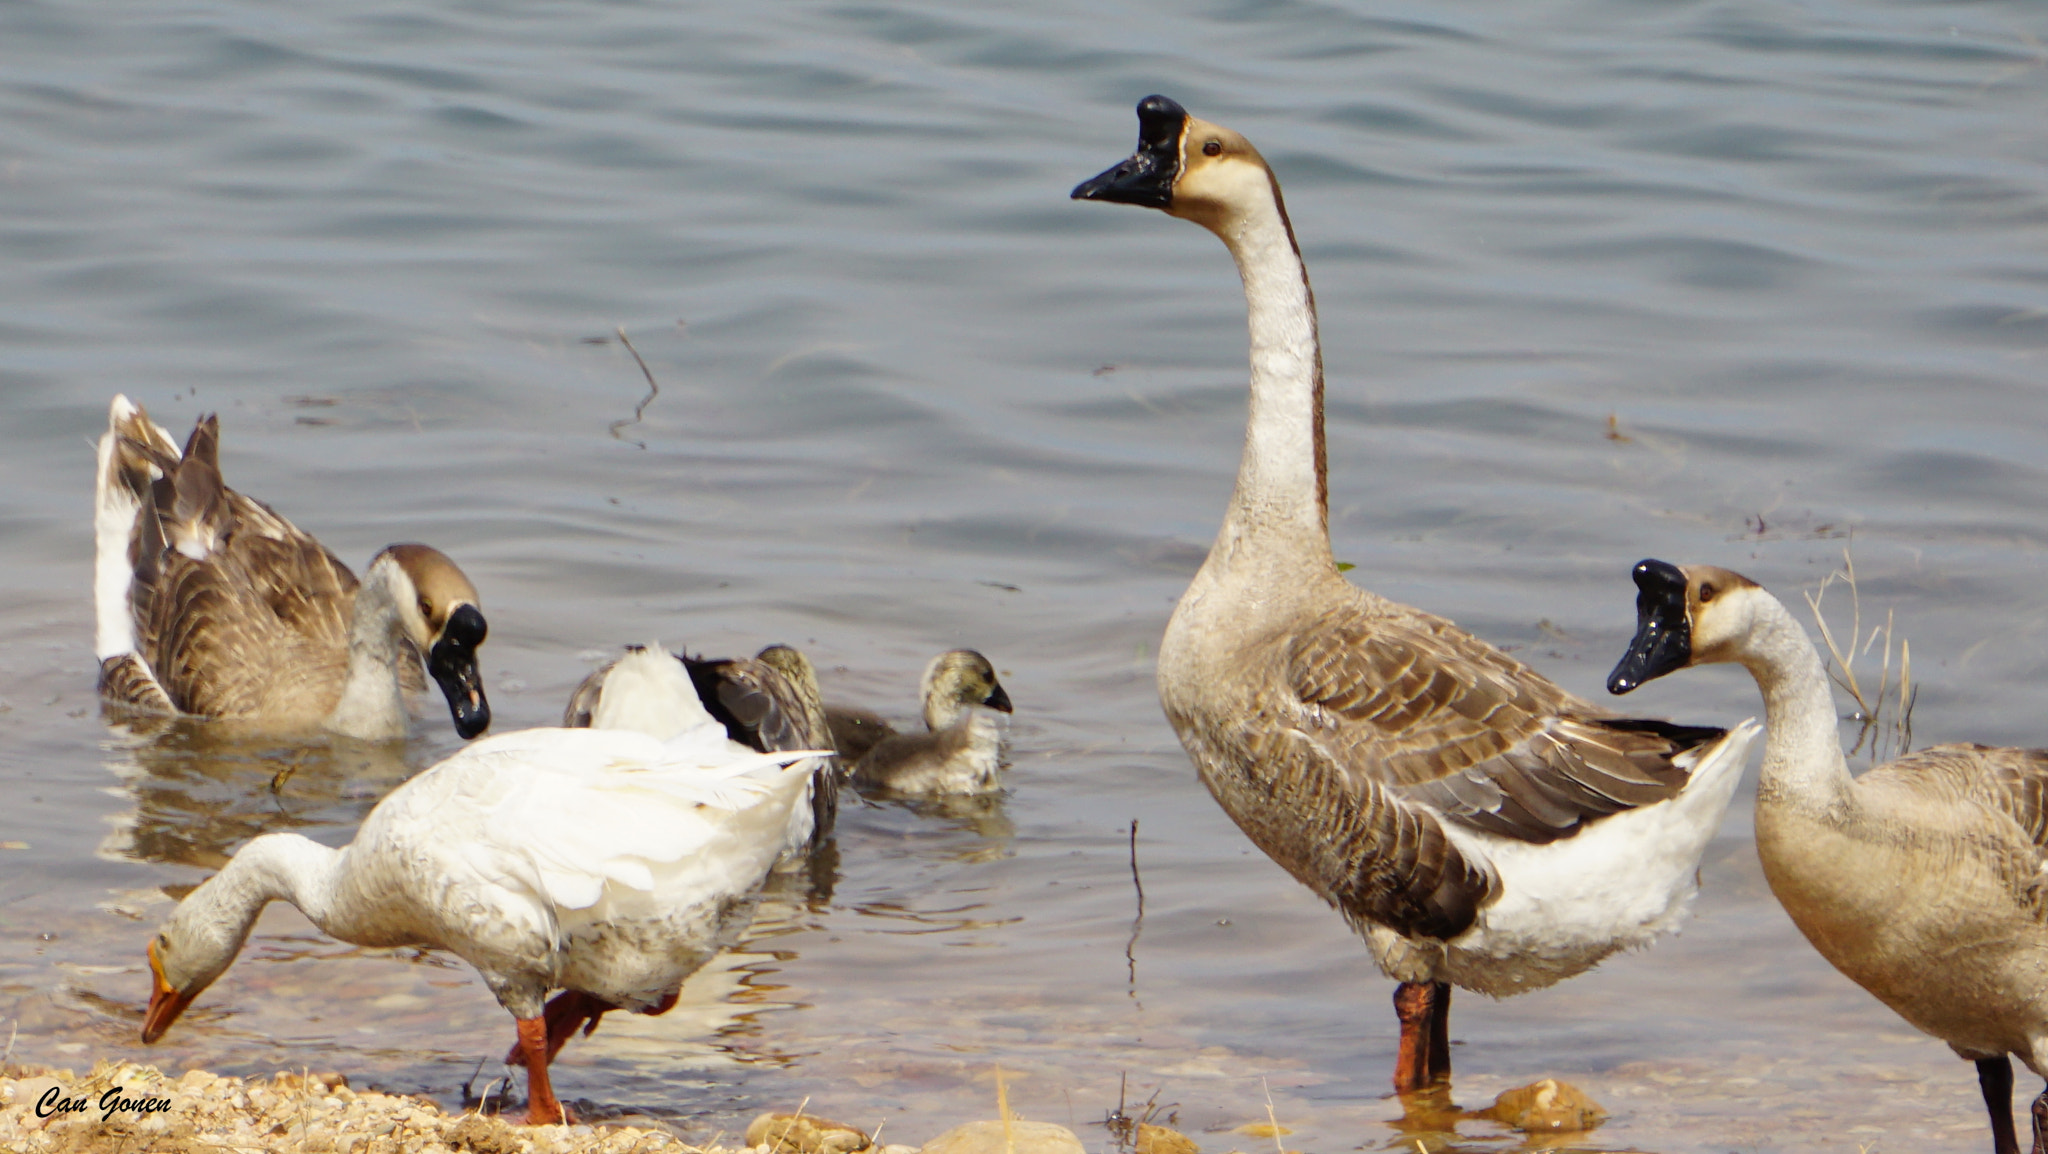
x=121, y=1108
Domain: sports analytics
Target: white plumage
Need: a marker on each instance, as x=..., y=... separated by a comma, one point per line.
x=607, y=863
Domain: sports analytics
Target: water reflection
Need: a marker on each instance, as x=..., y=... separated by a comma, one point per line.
x=980, y=816
x=1429, y=1122
x=204, y=787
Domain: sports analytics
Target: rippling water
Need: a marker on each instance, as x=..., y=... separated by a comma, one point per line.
x=1724, y=281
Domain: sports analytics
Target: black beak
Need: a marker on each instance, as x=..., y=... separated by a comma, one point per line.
x=452, y=663
x=998, y=699
x=1663, y=631
x=1145, y=179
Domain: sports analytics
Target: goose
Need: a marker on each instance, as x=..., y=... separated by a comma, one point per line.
x=1920, y=880
x=1477, y=824
x=211, y=604
x=769, y=703
x=961, y=749
x=607, y=863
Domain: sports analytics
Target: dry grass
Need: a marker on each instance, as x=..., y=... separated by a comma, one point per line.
x=1884, y=711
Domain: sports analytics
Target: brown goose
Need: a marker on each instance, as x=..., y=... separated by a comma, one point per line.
x=1477, y=824
x=1925, y=880
x=961, y=749
x=211, y=604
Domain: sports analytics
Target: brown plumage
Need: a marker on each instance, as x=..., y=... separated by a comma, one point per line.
x=1924, y=880
x=213, y=604
x=1478, y=824
x=961, y=748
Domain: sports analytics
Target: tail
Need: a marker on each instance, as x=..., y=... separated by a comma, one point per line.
x=133, y=454
x=647, y=690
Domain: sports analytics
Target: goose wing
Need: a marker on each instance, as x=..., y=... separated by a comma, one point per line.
x=767, y=711
x=491, y=850
x=1384, y=730
x=1445, y=722
x=577, y=810
x=1966, y=780
x=232, y=603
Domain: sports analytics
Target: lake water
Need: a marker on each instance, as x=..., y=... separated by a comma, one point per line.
x=1710, y=280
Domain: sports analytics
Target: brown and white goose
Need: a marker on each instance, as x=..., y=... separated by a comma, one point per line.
x=1925, y=880
x=1480, y=826
x=211, y=604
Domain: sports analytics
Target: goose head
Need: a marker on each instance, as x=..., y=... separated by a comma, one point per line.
x=1187, y=168
x=437, y=608
x=957, y=681
x=1685, y=616
x=794, y=667
x=184, y=959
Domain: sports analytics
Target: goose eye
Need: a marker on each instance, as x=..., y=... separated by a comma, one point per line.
x=1213, y=148
x=1706, y=592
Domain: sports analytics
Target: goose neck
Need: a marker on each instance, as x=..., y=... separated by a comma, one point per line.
x=216, y=917
x=1803, y=764
x=372, y=703
x=1282, y=479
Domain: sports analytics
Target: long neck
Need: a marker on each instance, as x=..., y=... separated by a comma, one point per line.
x=372, y=701
x=215, y=918
x=1803, y=763
x=1282, y=480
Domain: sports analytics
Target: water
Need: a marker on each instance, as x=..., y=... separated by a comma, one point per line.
x=1715, y=280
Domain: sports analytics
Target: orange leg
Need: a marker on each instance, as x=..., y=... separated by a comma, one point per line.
x=1424, y=1059
x=566, y=1012
x=541, y=1107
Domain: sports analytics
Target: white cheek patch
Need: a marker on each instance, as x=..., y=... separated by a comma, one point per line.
x=1226, y=180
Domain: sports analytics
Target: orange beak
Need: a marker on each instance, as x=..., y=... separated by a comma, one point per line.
x=165, y=1003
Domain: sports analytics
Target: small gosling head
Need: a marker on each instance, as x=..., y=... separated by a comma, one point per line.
x=957, y=681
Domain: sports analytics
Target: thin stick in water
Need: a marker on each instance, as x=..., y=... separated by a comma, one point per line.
x=653, y=389
x=1138, y=922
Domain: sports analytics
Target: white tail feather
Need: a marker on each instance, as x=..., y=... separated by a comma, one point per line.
x=114, y=509
x=648, y=691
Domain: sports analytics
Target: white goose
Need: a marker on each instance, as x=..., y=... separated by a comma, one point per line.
x=1925, y=880
x=211, y=604
x=1479, y=825
x=606, y=863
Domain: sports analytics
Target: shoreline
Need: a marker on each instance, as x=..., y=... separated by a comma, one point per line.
x=121, y=1107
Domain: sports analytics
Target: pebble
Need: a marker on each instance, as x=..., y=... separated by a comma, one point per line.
x=1152, y=1139
x=774, y=1133
x=1545, y=1107
x=995, y=1138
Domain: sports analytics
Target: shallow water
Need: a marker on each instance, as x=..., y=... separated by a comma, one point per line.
x=1723, y=281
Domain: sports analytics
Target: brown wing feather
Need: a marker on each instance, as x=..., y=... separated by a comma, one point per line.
x=1369, y=853
x=1447, y=722
x=2012, y=783
x=259, y=622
